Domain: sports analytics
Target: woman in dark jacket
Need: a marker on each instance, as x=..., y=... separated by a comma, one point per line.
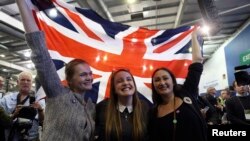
x=176, y=115
x=122, y=117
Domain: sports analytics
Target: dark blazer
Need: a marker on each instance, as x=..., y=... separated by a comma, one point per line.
x=5, y=122
x=127, y=124
x=235, y=111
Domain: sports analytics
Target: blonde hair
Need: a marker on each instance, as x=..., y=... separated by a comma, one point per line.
x=25, y=74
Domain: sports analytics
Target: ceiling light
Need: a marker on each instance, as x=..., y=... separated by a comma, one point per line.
x=30, y=66
x=27, y=54
x=131, y=1
x=205, y=29
x=190, y=49
x=2, y=55
x=33, y=76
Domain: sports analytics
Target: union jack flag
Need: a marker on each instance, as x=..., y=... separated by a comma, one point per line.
x=73, y=32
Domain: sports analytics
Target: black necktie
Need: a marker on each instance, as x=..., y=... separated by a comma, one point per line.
x=126, y=113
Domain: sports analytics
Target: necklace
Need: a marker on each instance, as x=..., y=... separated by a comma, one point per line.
x=174, y=121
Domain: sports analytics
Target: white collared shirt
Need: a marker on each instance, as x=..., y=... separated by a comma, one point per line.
x=241, y=95
x=9, y=101
x=122, y=108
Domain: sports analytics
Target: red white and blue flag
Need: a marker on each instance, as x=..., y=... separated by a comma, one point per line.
x=73, y=32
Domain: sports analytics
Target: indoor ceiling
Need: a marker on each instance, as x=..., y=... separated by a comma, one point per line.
x=153, y=14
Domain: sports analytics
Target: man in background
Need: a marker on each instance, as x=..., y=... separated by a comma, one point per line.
x=1, y=87
x=16, y=103
x=224, y=95
x=238, y=107
x=211, y=98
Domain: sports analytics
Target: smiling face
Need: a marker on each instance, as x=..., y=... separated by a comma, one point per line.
x=124, y=84
x=79, y=76
x=163, y=82
x=82, y=78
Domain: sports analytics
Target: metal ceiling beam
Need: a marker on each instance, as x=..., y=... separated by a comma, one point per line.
x=11, y=21
x=144, y=4
x=214, y=42
x=4, y=47
x=7, y=50
x=220, y=13
x=83, y=3
x=99, y=7
x=15, y=59
x=105, y=10
x=233, y=9
x=16, y=67
x=180, y=13
x=227, y=31
x=239, y=30
x=149, y=14
x=232, y=24
x=24, y=62
x=210, y=46
x=6, y=2
x=162, y=26
x=19, y=48
x=148, y=22
x=216, y=37
x=11, y=31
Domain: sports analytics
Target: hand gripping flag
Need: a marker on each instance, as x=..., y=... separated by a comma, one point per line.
x=73, y=32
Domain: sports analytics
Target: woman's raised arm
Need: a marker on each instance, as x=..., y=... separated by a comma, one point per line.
x=27, y=17
x=35, y=38
x=196, y=49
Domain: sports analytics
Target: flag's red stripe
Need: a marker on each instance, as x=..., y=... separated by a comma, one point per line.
x=71, y=48
x=148, y=85
x=172, y=43
x=96, y=76
x=36, y=19
x=76, y=18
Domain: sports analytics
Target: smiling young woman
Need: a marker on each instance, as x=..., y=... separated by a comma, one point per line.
x=122, y=116
x=176, y=114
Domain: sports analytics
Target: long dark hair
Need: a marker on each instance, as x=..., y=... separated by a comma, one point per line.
x=113, y=121
x=155, y=96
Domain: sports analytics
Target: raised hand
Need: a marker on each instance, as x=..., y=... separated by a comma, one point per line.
x=196, y=49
